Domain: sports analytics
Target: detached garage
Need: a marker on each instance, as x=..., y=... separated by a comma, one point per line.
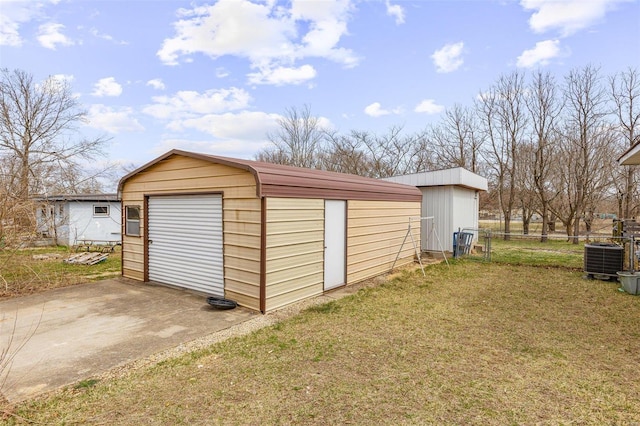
x=262, y=234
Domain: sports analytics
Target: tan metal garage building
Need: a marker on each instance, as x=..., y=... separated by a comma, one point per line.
x=262, y=234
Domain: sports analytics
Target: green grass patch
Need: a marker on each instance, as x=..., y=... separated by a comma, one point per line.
x=84, y=384
x=530, y=251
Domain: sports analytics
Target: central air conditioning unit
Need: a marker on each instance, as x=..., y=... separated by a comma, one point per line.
x=603, y=259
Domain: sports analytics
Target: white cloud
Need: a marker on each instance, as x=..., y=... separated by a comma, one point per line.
x=429, y=106
x=14, y=14
x=376, y=110
x=245, y=125
x=191, y=103
x=94, y=32
x=107, y=87
x=63, y=78
x=449, y=57
x=283, y=75
x=235, y=148
x=541, y=54
x=396, y=11
x=50, y=35
x=113, y=120
x=221, y=72
x=156, y=83
x=274, y=42
x=567, y=16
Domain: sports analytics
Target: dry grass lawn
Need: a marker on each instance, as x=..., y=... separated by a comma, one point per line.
x=36, y=270
x=476, y=343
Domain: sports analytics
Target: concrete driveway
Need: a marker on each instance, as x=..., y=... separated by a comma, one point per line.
x=62, y=336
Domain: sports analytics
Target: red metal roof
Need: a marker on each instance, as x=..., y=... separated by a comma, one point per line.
x=276, y=180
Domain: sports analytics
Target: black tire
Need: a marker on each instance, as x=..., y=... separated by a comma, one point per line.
x=221, y=303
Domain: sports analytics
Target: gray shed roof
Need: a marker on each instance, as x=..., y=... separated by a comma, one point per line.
x=78, y=197
x=276, y=180
x=457, y=176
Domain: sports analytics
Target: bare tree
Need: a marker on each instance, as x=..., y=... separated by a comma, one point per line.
x=298, y=140
x=503, y=118
x=625, y=93
x=544, y=106
x=371, y=155
x=456, y=139
x=345, y=154
x=38, y=122
x=390, y=154
x=423, y=155
x=585, y=140
x=525, y=182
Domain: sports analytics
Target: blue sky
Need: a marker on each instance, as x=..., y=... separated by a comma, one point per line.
x=215, y=76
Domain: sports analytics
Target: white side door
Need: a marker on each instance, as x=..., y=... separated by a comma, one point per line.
x=335, y=222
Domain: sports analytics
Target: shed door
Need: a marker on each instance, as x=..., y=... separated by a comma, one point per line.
x=334, y=243
x=185, y=242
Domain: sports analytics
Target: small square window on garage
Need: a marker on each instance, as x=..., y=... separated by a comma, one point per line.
x=101, y=210
x=132, y=221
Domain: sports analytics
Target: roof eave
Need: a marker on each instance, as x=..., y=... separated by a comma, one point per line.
x=631, y=156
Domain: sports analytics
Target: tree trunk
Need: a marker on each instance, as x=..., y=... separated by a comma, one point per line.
x=552, y=222
x=576, y=230
x=526, y=219
x=628, y=196
x=507, y=226
x=545, y=225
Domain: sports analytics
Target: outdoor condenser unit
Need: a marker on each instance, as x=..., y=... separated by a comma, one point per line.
x=603, y=259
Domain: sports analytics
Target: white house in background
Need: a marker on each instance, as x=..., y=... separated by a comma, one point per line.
x=67, y=219
x=451, y=197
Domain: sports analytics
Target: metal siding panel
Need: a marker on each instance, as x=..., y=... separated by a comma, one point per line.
x=465, y=209
x=294, y=254
x=186, y=249
x=372, y=246
x=437, y=202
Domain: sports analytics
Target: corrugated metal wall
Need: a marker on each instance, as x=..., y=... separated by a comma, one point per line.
x=241, y=213
x=294, y=250
x=452, y=207
x=375, y=231
x=437, y=201
x=465, y=211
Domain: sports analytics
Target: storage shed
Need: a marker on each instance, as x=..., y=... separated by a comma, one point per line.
x=451, y=197
x=262, y=234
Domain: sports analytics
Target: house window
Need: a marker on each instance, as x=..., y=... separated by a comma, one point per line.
x=132, y=221
x=101, y=210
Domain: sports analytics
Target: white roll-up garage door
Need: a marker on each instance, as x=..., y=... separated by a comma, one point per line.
x=185, y=242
